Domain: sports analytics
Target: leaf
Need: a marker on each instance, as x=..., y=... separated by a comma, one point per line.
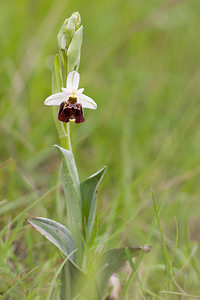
x=56, y=233
x=71, y=185
x=88, y=195
x=57, y=81
x=113, y=259
x=61, y=237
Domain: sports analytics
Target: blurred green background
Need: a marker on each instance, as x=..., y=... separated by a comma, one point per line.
x=141, y=64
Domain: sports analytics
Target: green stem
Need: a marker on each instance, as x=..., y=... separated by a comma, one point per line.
x=68, y=138
x=63, y=131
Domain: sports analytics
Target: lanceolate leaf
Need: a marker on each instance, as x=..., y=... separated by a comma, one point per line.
x=71, y=185
x=88, y=195
x=61, y=237
x=113, y=259
x=56, y=233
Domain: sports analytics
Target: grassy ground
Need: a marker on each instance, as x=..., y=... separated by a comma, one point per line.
x=140, y=62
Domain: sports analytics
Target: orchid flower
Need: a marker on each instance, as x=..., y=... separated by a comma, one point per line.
x=71, y=100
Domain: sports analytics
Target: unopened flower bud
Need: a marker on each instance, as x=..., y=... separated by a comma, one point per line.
x=61, y=38
x=77, y=18
x=74, y=50
x=67, y=31
x=69, y=42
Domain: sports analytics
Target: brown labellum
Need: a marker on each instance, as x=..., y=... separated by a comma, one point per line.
x=71, y=111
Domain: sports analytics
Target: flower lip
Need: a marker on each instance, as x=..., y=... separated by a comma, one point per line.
x=71, y=112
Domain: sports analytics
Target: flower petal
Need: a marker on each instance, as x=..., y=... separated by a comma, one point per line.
x=73, y=79
x=56, y=99
x=66, y=91
x=87, y=102
x=80, y=91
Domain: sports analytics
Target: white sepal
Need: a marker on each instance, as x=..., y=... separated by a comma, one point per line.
x=56, y=99
x=73, y=79
x=87, y=102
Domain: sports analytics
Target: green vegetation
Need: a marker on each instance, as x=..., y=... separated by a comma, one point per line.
x=140, y=63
